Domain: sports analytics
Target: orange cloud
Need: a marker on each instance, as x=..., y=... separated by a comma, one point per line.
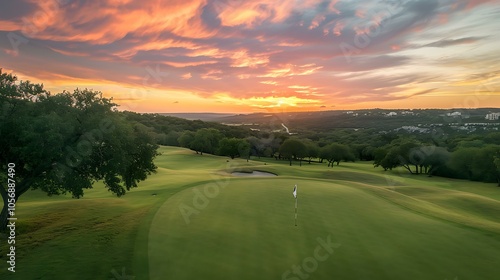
x=269, y=83
x=186, y=76
x=212, y=75
x=337, y=30
x=292, y=70
x=254, y=12
x=241, y=58
x=53, y=21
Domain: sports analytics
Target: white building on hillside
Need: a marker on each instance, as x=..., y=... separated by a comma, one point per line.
x=492, y=116
x=454, y=114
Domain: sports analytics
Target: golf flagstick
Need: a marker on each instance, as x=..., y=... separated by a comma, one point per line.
x=295, y=211
x=295, y=195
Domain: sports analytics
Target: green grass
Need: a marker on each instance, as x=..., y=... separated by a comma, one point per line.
x=387, y=225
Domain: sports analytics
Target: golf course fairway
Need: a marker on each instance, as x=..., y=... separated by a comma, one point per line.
x=193, y=220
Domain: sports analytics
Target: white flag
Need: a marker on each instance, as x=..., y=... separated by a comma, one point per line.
x=295, y=191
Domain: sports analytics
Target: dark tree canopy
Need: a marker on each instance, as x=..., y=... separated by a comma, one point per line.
x=477, y=163
x=293, y=149
x=497, y=164
x=66, y=142
x=206, y=140
x=186, y=138
x=335, y=153
x=234, y=147
x=312, y=150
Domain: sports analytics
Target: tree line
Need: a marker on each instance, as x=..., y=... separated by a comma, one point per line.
x=455, y=155
x=472, y=160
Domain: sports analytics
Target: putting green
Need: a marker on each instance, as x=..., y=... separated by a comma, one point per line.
x=244, y=229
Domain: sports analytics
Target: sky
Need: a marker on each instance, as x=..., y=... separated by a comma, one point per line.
x=235, y=56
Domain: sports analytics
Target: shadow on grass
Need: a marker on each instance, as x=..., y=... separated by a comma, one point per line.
x=359, y=177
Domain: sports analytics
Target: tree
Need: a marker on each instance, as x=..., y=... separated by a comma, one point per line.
x=461, y=162
x=497, y=164
x=409, y=155
x=390, y=160
x=244, y=149
x=186, y=138
x=379, y=155
x=66, y=142
x=312, y=150
x=257, y=146
x=359, y=150
x=206, y=140
x=436, y=159
x=483, y=164
x=402, y=152
x=367, y=153
x=334, y=153
x=476, y=143
x=171, y=138
x=271, y=144
x=293, y=149
x=234, y=147
x=492, y=138
x=477, y=164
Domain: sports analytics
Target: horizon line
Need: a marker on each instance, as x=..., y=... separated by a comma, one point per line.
x=319, y=111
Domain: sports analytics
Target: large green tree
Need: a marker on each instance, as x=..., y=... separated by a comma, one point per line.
x=476, y=163
x=401, y=152
x=66, y=142
x=335, y=153
x=461, y=162
x=293, y=149
x=206, y=140
x=484, y=167
x=497, y=164
x=257, y=146
x=185, y=139
x=436, y=159
x=234, y=147
x=312, y=150
x=388, y=161
x=409, y=155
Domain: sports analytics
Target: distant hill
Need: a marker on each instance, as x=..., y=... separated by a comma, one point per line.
x=369, y=118
x=198, y=116
x=380, y=119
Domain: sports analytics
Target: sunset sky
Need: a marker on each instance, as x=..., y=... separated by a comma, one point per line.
x=254, y=56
